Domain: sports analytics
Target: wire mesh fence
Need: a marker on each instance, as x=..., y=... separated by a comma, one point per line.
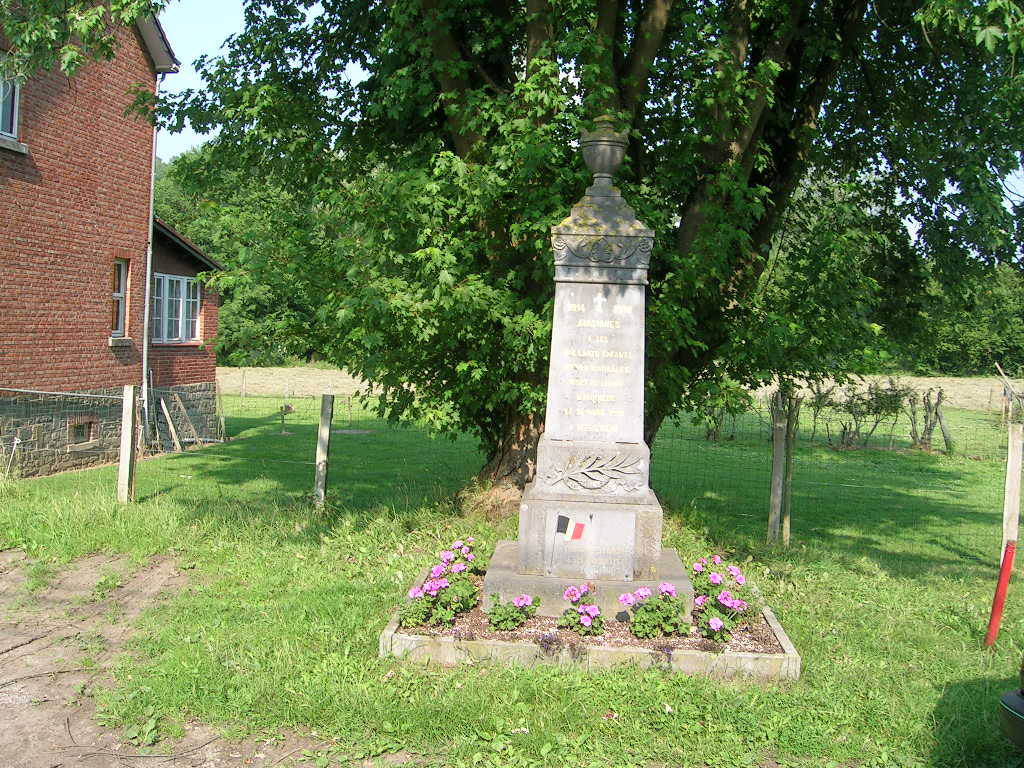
x=881, y=497
x=44, y=432
x=873, y=499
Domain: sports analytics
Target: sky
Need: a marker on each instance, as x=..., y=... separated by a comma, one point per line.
x=194, y=28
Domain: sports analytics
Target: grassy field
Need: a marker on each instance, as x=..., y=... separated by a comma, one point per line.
x=885, y=593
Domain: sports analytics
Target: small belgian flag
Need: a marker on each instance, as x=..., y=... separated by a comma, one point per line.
x=569, y=528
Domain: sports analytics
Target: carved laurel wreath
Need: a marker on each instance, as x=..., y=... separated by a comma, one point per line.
x=603, y=249
x=592, y=473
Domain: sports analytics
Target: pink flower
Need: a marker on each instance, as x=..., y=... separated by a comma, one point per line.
x=698, y=567
x=584, y=589
x=447, y=557
x=586, y=621
x=703, y=560
x=458, y=568
x=628, y=599
x=464, y=550
x=741, y=580
x=470, y=539
x=716, y=560
x=572, y=594
x=699, y=600
x=725, y=597
x=667, y=589
x=715, y=578
x=739, y=605
x=715, y=623
x=471, y=558
x=457, y=544
x=733, y=570
x=643, y=593
x=522, y=601
x=592, y=610
x=437, y=570
x=415, y=592
x=434, y=586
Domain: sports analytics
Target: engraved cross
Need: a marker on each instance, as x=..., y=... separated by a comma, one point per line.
x=599, y=300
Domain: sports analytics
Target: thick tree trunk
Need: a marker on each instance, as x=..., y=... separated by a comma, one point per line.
x=514, y=461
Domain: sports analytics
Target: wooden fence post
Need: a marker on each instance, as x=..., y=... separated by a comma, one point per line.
x=1011, y=491
x=323, y=446
x=126, y=469
x=778, y=413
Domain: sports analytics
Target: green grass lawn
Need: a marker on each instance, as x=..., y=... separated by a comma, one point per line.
x=885, y=592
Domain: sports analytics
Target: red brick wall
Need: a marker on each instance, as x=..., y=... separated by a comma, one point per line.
x=175, y=364
x=78, y=201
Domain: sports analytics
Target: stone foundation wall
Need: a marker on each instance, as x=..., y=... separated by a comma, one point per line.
x=53, y=433
x=199, y=402
x=50, y=433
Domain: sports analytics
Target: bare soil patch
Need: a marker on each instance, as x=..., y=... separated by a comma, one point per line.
x=281, y=382
x=973, y=393
x=56, y=647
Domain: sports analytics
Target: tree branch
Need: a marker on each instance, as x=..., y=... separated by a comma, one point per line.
x=650, y=32
x=539, y=30
x=449, y=70
x=605, y=42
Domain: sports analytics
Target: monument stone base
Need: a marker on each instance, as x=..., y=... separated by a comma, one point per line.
x=504, y=579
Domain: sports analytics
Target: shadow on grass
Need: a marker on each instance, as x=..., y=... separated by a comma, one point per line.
x=912, y=514
x=376, y=469
x=966, y=725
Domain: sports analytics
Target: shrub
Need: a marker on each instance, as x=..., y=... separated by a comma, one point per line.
x=722, y=597
x=656, y=616
x=449, y=590
x=583, y=618
x=513, y=614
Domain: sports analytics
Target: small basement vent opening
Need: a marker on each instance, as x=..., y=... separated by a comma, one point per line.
x=82, y=431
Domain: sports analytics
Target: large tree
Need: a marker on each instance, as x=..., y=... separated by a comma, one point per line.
x=446, y=165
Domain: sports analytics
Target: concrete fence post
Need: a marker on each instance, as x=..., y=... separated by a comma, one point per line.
x=323, y=445
x=126, y=469
x=1011, y=490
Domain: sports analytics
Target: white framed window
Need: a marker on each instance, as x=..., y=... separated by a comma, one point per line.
x=175, y=310
x=119, y=299
x=9, y=92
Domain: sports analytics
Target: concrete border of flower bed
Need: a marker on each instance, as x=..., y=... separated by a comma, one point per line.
x=726, y=665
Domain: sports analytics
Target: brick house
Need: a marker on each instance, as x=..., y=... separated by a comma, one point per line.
x=77, y=244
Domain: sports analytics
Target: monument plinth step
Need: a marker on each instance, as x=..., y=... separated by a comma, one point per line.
x=504, y=579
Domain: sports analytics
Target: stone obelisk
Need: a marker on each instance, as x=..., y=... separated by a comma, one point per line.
x=590, y=515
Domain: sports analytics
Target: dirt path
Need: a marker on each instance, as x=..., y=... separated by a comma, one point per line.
x=57, y=645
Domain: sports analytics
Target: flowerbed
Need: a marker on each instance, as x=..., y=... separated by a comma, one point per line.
x=724, y=617
x=754, y=636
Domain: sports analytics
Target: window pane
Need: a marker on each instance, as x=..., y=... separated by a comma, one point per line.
x=173, y=309
x=7, y=105
x=157, y=318
x=192, y=311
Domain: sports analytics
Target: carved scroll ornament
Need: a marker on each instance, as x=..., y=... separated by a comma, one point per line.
x=609, y=250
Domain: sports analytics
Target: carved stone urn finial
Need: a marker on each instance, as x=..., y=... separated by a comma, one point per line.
x=603, y=150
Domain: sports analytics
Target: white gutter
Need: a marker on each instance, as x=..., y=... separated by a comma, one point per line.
x=149, y=275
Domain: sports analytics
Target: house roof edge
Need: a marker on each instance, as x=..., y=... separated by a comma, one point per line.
x=157, y=45
x=179, y=239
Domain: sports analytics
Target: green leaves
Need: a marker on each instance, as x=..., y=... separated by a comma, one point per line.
x=45, y=35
